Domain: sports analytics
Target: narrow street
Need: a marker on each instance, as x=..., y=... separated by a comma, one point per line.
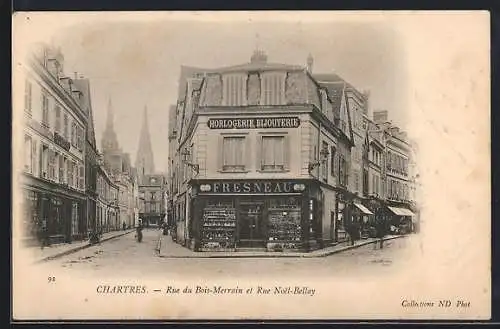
x=126, y=257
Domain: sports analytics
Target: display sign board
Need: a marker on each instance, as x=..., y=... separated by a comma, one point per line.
x=251, y=187
x=254, y=123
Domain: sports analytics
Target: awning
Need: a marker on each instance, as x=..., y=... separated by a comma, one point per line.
x=401, y=211
x=363, y=209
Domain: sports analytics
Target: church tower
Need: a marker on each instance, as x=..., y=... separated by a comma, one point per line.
x=144, y=162
x=110, y=148
x=109, y=141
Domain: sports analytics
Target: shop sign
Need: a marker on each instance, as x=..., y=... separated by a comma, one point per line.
x=254, y=123
x=252, y=187
x=61, y=141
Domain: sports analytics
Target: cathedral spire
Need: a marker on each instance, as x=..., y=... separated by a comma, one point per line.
x=110, y=119
x=144, y=161
x=109, y=140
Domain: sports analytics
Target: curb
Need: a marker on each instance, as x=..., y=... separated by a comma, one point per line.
x=290, y=255
x=73, y=250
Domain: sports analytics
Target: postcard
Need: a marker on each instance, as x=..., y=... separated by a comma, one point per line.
x=251, y=165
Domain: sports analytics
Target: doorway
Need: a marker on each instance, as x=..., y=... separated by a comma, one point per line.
x=251, y=225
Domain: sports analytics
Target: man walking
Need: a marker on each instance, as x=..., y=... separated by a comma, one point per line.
x=381, y=230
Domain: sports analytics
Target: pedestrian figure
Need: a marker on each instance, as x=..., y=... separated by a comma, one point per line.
x=351, y=231
x=44, y=235
x=139, y=232
x=381, y=230
x=124, y=226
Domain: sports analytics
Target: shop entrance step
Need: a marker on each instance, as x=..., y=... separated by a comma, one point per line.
x=249, y=249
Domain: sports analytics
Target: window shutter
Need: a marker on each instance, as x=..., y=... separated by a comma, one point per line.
x=258, y=153
x=220, y=156
x=287, y=151
x=247, y=152
x=33, y=157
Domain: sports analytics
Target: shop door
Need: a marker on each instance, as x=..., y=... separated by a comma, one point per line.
x=251, y=225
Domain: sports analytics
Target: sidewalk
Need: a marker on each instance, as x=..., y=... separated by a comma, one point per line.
x=59, y=250
x=170, y=249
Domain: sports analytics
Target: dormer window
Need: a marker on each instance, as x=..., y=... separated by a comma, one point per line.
x=234, y=90
x=273, y=88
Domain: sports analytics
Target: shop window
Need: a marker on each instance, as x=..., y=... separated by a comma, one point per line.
x=74, y=218
x=285, y=221
x=31, y=221
x=28, y=91
x=273, y=153
x=28, y=154
x=45, y=110
x=57, y=221
x=233, y=153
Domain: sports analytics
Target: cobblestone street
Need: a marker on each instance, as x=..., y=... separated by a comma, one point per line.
x=125, y=256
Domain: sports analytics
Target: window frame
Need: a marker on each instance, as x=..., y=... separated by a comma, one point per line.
x=274, y=167
x=233, y=167
x=28, y=167
x=45, y=109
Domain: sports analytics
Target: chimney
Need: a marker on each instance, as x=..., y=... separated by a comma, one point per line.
x=366, y=95
x=259, y=56
x=310, y=62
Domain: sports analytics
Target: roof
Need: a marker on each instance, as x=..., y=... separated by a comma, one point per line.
x=328, y=77
x=258, y=66
x=84, y=86
x=335, y=91
x=187, y=72
x=171, y=118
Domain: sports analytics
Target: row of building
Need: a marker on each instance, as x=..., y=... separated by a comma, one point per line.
x=69, y=187
x=272, y=156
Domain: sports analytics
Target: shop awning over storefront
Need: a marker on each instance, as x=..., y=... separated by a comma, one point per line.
x=363, y=209
x=401, y=211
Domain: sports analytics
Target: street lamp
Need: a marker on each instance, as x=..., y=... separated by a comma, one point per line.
x=323, y=158
x=185, y=159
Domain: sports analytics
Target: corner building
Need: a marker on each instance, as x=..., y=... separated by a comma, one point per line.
x=261, y=152
x=55, y=122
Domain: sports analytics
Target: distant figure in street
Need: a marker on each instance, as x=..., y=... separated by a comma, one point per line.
x=124, y=226
x=139, y=232
x=380, y=227
x=352, y=230
x=44, y=235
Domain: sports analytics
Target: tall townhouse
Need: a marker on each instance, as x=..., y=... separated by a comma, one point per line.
x=261, y=159
x=398, y=181
x=356, y=102
x=107, y=211
x=55, y=126
x=91, y=155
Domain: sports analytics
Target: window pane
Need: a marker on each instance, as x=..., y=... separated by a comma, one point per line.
x=233, y=153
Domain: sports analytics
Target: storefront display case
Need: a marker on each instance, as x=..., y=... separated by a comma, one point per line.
x=218, y=226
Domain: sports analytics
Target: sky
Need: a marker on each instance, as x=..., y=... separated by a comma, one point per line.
x=137, y=63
